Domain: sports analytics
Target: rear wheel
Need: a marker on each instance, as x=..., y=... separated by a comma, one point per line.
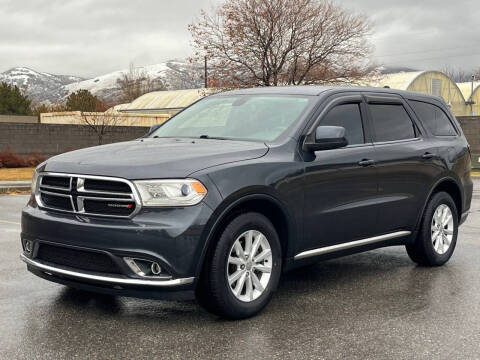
x=243, y=269
x=438, y=232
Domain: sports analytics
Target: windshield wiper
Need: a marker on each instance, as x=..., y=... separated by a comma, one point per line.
x=212, y=137
x=192, y=137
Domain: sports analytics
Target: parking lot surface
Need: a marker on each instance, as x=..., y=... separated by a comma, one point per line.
x=372, y=305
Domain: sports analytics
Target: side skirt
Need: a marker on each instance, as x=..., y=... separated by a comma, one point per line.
x=350, y=245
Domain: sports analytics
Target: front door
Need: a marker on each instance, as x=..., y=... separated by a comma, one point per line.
x=340, y=184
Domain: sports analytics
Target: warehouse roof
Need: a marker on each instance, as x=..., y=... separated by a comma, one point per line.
x=466, y=89
x=163, y=100
x=399, y=81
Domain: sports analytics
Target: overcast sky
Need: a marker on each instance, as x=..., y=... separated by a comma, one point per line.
x=92, y=37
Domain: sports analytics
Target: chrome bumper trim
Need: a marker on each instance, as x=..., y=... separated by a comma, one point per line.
x=349, y=245
x=106, y=279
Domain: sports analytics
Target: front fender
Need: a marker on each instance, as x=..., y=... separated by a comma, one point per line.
x=236, y=201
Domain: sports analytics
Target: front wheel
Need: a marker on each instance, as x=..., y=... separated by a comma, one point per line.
x=438, y=232
x=243, y=269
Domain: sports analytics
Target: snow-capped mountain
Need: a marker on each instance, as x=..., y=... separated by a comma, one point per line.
x=173, y=74
x=40, y=87
x=106, y=86
x=48, y=88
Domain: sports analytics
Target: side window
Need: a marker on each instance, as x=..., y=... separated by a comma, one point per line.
x=348, y=116
x=434, y=118
x=391, y=122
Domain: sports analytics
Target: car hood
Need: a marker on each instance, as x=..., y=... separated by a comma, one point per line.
x=155, y=157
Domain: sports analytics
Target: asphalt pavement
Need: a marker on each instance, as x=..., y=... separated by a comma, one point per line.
x=375, y=305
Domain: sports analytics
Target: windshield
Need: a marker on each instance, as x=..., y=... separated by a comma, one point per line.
x=236, y=117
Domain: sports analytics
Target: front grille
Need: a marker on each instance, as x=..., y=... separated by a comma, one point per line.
x=56, y=182
x=87, y=195
x=102, y=185
x=109, y=207
x=77, y=259
x=56, y=201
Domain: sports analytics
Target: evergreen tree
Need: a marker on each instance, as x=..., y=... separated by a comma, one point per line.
x=12, y=101
x=84, y=100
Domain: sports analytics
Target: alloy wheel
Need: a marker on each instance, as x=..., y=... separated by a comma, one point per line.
x=442, y=229
x=249, y=265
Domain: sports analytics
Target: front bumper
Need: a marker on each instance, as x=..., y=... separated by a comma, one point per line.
x=177, y=289
x=110, y=280
x=171, y=237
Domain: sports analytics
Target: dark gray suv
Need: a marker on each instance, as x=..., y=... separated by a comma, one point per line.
x=243, y=185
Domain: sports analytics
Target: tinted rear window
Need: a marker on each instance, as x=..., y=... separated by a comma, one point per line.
x=434, y=118
x=391, y=122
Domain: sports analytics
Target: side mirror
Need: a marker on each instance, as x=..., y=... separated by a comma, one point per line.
x=326, y=137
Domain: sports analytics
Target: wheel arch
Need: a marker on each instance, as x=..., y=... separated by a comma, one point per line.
x=266, y=204
x=451, y=187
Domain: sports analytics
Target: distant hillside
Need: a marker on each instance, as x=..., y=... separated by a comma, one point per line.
x=175, y=74
x=48, y=88
x=40, y=86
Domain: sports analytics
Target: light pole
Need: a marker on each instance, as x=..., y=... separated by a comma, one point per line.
x=206, y=74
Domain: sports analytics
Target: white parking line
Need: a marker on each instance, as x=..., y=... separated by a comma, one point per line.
x=9, y=222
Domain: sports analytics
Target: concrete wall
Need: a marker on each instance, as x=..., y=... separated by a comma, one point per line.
x=53, y=139
x=19, y=118
x=471, y=128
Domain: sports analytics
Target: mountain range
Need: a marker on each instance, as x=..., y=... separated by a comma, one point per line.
x=42, y=87
x=46, y=88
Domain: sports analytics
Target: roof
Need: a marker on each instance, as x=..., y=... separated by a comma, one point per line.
x=281, y=90
x=176, y=99
x=466, y=88
x=315, y=90
x=400, y=80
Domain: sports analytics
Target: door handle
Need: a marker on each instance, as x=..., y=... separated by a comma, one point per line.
x=366, y=162
x=428, y=155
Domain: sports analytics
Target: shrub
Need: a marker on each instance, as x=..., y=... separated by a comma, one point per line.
x=9, y=159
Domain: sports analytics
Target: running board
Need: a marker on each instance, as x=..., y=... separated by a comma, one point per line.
x=349, y=245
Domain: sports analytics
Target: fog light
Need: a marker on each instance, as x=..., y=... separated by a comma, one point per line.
x=142, y=267
x=156, y=269
x=28, y=246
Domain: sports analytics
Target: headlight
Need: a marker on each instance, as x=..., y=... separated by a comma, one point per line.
x=34, y=180
x=182, y=192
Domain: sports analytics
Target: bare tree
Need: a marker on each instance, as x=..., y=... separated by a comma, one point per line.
x=457, y=74
x=476, y=74
x=137, y=82
x=101, y=122
x=275, y=42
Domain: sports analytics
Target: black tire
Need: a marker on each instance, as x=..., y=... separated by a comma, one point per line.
x=214, y=291
x=422, y=251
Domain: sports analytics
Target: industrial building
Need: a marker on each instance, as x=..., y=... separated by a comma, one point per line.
x=471, y=93
x=428, y=82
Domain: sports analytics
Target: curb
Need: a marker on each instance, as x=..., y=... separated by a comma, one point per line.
x=11, y=186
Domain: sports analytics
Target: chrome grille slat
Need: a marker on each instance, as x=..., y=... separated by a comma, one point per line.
x=78, y=195
x=69, y=188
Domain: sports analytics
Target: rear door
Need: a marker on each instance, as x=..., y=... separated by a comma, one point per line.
x=405, y=161
x=341, y=184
